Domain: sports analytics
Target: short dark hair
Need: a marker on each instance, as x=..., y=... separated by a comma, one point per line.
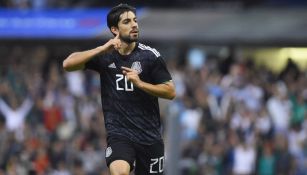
x=115, y=12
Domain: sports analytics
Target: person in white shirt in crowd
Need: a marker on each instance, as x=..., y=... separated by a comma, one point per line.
x=263, y=122
x=279, y=108
x=244, y=158
x=15, y=115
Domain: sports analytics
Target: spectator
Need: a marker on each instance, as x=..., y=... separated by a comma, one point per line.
x=15, y=116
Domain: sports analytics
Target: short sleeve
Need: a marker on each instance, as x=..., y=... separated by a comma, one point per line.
x=160, y=73
x=94, y=64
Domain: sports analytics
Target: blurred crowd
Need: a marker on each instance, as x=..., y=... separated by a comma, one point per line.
x=51, y=121
x=241, y=119
x=235, y=117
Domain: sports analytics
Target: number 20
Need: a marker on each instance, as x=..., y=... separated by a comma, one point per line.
x=120, y=77
x=160, y=162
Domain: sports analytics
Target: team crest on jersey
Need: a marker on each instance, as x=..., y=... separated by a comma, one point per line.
x=108, y=151
x=137, y=66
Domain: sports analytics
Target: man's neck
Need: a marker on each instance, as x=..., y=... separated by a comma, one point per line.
x=126, y=48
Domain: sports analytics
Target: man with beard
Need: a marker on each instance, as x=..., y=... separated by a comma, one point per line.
x=133, y=76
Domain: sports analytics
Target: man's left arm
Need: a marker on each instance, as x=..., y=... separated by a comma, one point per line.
x=162, y=90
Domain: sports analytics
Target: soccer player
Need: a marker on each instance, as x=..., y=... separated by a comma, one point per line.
x=132, y=77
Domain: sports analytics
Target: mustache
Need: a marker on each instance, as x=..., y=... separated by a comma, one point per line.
x=134, y=30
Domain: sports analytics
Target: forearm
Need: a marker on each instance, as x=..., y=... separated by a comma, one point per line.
x=4, y=108
x=77, y=60
x=165, y=90
x=26, y=107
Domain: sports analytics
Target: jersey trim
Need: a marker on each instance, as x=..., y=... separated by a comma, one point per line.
x=166, y=81
x=144, y=47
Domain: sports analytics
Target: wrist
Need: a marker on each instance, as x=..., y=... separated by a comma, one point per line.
x=140, y=84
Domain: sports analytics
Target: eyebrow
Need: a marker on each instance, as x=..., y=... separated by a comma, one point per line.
x=128, y=19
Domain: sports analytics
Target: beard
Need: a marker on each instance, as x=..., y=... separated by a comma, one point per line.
x=128, y=39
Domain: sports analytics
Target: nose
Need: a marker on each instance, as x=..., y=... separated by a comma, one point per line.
x=134, y=24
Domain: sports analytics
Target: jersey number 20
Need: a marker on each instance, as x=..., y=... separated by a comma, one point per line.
x=156, y=165
x=121, y=77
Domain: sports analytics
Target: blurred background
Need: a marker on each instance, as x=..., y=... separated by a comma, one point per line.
x=239, y=67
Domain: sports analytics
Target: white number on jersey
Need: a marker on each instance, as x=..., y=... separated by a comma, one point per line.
x=120, y=77
x=157, y=165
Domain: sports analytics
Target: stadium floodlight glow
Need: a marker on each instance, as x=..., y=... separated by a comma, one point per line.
x=264, y=56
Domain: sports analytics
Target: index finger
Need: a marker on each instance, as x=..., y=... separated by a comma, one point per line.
x=127, y=69
x=117, y=36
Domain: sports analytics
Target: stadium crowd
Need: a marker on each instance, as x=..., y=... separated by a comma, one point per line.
x=235, y=117
x=239, y=118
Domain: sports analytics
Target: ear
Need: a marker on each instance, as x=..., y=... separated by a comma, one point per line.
x=114, y=30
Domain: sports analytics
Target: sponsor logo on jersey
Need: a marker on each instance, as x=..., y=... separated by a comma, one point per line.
x=108, y=151
x=137, y=66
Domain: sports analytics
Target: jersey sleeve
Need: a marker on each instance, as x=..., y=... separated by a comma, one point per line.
x=94, y=64
x=160, y=73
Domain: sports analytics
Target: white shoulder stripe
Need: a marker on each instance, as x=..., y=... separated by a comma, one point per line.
x=151, y=49
x=144, y=47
